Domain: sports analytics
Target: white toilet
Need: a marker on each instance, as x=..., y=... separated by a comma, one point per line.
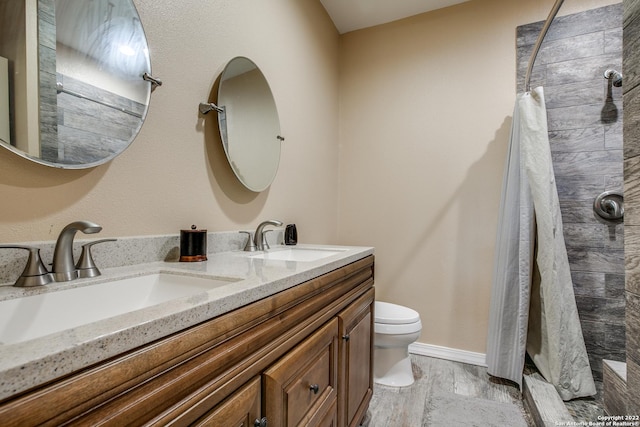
x=395, y=328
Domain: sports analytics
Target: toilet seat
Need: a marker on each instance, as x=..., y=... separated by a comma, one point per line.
x=393, y=314
x=407, y=328
x=393, y=319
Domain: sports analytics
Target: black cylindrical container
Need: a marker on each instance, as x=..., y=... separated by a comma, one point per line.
x=290, y=234
x=193, y=245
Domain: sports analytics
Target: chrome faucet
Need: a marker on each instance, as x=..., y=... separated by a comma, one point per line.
x=64, y=268
x=258, y=236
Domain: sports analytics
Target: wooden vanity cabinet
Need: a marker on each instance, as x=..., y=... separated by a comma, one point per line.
x=263, y=360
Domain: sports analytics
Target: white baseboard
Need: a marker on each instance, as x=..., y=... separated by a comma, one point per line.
x=446, y=353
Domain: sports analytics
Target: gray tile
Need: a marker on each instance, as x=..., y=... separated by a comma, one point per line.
x=615, y=342
x=614, y=182
x=583, y=116
x=593, y=310
x=599, y=19
x=613, y=40
x=633, y=388
x=615, y=391
x=631, y=11
x=592, y=235
x=581, y=69
x=632, y=191
x=578, y=211
x=593, y=259
x=632, y=258
x=572, y=140
x=631, y=123
x=46, y=25
x=575, y=94
x=419, y=404
x=614, y=314
x=538, y=75
x=633, y=328
x=613, y=135
x=613, y=235
x=631, y=82
x=527, y=35
x=605, y=162
x=589, y=283
x=633, y=351
x=580, y=46
x=614, y=285
x=580, y=187
x=543, y=402
x=594, y=336
x=631, y=48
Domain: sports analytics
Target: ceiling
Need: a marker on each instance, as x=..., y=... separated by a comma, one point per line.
x=350, y=15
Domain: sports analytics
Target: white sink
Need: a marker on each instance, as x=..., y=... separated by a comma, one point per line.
x=22, y=319
x=299, y=254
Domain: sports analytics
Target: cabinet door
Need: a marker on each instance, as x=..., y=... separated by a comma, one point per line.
x=356, y=359
x=300, y=389
x=241, y=409
x=328, y=419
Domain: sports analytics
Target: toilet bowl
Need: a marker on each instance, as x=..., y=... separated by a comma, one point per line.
x=395, y=327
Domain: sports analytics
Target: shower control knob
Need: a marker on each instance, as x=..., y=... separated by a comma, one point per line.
x=609, y=205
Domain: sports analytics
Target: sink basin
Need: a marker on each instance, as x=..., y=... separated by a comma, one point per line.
x=299, y=254
x=22, y=319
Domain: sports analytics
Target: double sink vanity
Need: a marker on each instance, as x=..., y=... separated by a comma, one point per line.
x=281, y=336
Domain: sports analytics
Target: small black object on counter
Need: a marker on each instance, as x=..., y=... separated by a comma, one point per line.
x=193, y=245
x=290, y=235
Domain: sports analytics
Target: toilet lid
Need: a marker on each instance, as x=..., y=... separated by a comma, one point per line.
x=393, y=314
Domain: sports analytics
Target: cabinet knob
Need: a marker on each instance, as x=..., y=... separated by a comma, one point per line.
x=345, y=337
x=260, y=422
x=314, y=388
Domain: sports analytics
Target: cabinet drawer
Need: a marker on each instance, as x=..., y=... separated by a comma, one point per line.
x=303, y=384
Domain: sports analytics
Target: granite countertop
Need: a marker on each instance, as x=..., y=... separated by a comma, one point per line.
x=24, y=365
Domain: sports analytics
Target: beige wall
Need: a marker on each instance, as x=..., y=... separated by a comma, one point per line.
x=175, y=174
x=425, y=115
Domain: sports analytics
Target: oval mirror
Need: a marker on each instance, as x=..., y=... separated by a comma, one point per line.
x=249, y=124
x=71, y=80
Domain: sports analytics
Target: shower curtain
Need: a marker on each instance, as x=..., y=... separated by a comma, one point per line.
x=533, y=307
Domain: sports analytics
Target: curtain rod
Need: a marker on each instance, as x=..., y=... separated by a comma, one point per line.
x=543, y=33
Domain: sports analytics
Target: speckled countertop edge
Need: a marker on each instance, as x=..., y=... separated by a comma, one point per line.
x=31, y=363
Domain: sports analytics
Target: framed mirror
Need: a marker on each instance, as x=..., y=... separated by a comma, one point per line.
x=73, y=86
x=249, y=124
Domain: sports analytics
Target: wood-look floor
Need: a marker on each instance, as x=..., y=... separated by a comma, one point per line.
x=447, y=394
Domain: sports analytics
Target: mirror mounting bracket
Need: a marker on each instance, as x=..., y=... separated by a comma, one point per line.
x=154, y=81
x=210, y=106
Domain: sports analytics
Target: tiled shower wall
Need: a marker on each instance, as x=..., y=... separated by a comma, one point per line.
x=584, y=116
x=631, y=70
x=47, y=76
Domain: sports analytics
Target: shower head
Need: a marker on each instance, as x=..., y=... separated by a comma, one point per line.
x=614, y=76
